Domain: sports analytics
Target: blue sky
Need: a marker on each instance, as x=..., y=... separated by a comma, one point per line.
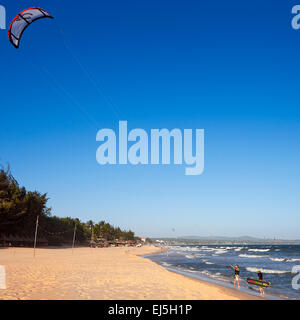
x=231, y=68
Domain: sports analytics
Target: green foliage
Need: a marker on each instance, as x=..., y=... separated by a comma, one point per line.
x=19, y=209
x=108, y=232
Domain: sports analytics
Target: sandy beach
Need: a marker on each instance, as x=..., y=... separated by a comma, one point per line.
x=107, y=273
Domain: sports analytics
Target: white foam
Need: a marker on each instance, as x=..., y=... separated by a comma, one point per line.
x=184, y=249
x=207, y=249
x=259, y=250
x=192, y=271
x=221, y=251
x=278, y=259
x=252, y=269
x=293, y=260
x=285, y=259
x=250, y=256
x=165, y=264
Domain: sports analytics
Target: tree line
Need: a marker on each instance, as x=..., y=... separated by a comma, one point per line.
x=19, y=209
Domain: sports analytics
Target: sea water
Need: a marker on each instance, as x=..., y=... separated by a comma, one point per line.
x=212, y=263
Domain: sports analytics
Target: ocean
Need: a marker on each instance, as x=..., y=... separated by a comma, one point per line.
x=212, y=263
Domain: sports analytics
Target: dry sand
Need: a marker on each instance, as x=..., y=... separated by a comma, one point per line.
x=107, y=273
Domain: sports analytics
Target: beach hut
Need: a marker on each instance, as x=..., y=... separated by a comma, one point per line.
x=92, y=243
x=101, y=242
x=131, y=243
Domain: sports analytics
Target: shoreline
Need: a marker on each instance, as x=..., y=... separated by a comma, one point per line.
x=232, y=291
x=121, y=273
x=227, y=290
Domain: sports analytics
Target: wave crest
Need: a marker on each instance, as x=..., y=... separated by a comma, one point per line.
x=252, y=269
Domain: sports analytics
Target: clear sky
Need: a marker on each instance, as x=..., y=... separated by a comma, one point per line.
x=229, y=67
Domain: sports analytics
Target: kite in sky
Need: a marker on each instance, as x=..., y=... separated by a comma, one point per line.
x=22, y=21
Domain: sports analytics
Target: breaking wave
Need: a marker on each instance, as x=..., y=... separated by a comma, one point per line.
x=259, y=250
x=278, y=259
x=293, y=260
x=250, y=256
x=285, y=259
x=252, y=269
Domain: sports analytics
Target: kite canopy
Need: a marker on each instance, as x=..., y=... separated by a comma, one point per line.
x=22, y=21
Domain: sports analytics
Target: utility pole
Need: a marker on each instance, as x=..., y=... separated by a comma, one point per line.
x=35, y=236
x=74, y=235
x=92, y=236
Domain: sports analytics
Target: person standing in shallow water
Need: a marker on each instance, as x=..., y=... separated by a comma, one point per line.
x=236, y=275
x=260, y=277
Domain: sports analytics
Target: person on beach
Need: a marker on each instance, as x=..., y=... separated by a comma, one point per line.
x=260, y=277
x=236, y=275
